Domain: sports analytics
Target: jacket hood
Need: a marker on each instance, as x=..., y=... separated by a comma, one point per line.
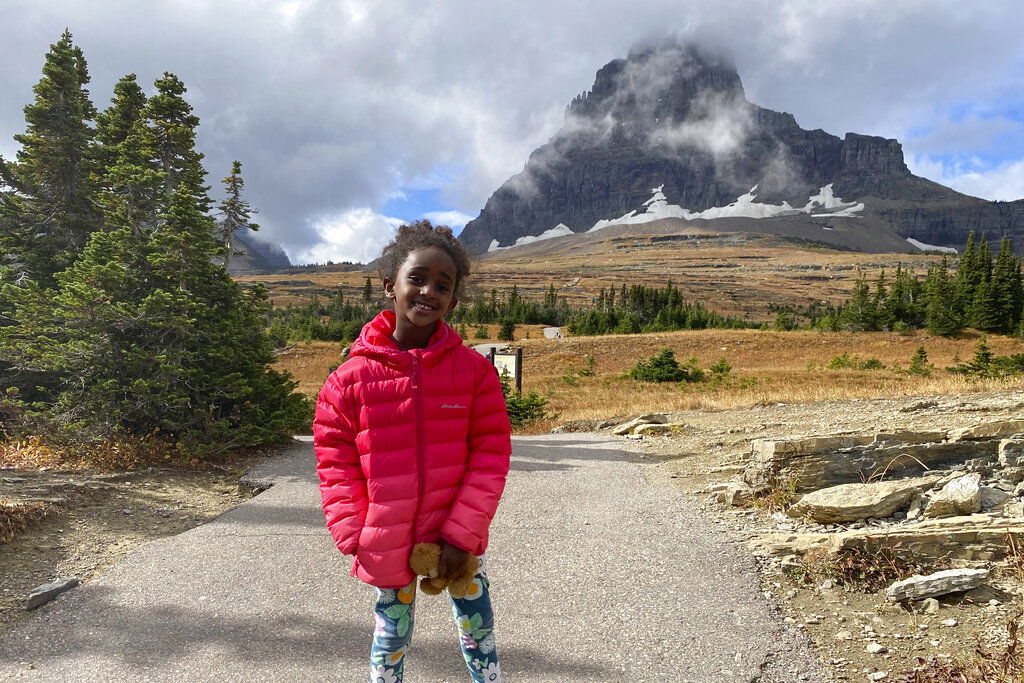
x=375, y=341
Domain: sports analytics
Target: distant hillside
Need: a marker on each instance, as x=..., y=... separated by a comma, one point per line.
x=668, y=133
x=258, y=257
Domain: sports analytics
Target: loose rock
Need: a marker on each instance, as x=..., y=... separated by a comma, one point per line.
x=939, y=583
x=849, y=502
x=962, y=496
x=48, y=591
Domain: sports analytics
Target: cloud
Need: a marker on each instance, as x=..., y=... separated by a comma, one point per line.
x=332, y=107
x=453, y=219
x=355, y=235
x=1002, y=182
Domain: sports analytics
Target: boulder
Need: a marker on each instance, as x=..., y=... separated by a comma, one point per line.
x=961, y=496
x=850, y=502
x=650, y=418
x=989, y=430
x=940, y=583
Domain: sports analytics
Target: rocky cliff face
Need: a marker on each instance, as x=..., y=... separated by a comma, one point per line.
x=676, y=116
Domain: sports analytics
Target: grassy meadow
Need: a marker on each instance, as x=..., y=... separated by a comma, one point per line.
x=767, y=367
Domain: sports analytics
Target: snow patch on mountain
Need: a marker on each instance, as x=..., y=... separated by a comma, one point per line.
x=931, y=247
x=822, y=205
x=559, y=230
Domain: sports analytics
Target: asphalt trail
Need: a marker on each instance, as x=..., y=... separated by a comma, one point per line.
x=600, y=572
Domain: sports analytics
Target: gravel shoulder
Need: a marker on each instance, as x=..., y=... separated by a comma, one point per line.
x=840, y=624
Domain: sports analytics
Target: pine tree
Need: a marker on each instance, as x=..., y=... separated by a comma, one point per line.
x=940, y=315
x=146, y=331
x=859, y=313
x=157, y=155
x=235, y=211
x=968, y=276
x=1007, y=293
x=46, y=212
x=114, y=125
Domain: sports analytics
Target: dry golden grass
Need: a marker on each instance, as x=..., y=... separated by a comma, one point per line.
x=767, y=367
x=739, y=278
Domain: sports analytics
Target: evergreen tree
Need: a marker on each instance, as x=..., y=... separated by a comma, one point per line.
x=940, y=316
x=984, y=313
x=115, y=124
x=859, y=313
x=968, y=276
x=235, y=211
x=46, y=212
x=157, y=155
x=1006, y=290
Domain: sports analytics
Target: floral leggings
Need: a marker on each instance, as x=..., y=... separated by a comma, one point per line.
x=394, y=611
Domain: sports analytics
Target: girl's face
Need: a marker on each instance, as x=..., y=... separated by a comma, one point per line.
x=423, y=290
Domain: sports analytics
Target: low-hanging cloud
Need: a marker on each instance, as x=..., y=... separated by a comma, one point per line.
x=334, y=106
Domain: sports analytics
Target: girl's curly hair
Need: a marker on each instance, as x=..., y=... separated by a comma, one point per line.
x=419, y=235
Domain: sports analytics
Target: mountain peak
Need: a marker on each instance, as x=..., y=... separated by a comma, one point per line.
x=674, y=116
x=658, y=81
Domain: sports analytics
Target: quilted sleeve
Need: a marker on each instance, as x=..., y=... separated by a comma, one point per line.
x=490, y=445
x=342, y=482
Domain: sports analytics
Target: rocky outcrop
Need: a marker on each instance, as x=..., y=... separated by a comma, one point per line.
x=816, y=462
x=676, y=116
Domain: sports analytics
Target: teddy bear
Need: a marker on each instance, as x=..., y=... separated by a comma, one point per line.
x=424, y=561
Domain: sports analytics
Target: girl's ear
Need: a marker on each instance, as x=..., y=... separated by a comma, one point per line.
x=389, y=288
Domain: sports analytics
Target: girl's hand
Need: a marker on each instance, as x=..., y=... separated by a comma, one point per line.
x=453, y=561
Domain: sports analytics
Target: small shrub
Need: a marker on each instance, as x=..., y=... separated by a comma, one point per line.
x=847, y=362
x=660, y=368
x=588, y=367
x=867, y=572
x=779, y=497
x=507, y=332
x=720, y=368
x=785, y=322
x=480, y=332
x=522, y=409
x=919, y=364
x=987, y=364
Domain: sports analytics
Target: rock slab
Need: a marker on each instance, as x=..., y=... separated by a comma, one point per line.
x=940, y=583
x=850, y=502
x=48, y=591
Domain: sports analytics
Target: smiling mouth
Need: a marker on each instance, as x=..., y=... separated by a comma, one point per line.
x=426, y=308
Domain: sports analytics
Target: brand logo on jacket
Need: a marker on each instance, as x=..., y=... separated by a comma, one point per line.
x=453, y=406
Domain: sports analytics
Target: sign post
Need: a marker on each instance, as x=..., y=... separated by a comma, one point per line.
x=512, y=363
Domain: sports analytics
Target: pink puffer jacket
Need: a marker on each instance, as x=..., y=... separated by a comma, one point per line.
x=411, y=446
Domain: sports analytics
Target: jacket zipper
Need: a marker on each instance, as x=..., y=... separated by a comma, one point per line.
x=418, y=408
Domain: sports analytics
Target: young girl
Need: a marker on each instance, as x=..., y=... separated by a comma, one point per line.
x=412, y=444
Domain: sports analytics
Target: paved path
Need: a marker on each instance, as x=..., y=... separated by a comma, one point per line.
x=600, y=572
